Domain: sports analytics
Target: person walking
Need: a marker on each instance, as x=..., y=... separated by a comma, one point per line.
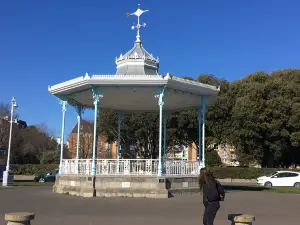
x=213, y=193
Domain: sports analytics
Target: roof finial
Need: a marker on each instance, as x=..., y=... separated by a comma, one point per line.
x=138, y=13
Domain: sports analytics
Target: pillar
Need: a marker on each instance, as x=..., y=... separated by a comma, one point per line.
x=120, y=115
x=64, y=109
x=199, y=133
x=79, y=110
x=165, y=135
x=203, y=110
x=160, y=97
x=96, y=98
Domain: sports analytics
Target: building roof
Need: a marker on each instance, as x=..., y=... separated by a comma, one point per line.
x=85, y=125
x=137, y=61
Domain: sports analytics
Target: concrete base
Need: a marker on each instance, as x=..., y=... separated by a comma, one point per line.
x=8, y=178
x=125, y=186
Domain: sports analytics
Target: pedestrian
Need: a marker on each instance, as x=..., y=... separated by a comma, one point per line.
x=213, y=193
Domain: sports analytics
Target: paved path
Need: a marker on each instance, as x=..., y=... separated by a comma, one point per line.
x=54, y=209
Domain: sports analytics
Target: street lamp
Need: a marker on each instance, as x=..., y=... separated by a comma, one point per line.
x=7, y=176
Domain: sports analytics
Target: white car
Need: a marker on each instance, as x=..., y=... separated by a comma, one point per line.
x=280, y=179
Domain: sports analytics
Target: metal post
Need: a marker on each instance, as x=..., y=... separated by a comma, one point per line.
x=10, y=133
x=199, y=133
x=6, y=174
x=165, y=138
x=79, y=112
x=96, y=98
x=119, y=134
x=203, y=109
x=160, y=103
x=64, y=109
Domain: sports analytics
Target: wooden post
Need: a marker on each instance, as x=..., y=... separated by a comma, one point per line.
x=241, y=219
x=19, y=218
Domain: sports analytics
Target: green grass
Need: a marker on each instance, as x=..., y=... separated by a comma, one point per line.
x=287, y=190
x=32, y=184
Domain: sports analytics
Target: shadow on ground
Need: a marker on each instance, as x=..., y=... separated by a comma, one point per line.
x=243, y=188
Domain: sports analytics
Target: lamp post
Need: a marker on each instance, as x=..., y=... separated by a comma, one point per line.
x=8, y=177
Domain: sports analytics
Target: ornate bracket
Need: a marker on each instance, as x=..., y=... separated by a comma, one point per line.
x=63, y=100
x=160, y=94
x=97, y=94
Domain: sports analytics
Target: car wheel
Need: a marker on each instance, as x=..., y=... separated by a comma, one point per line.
x=268, y=184
x=297, y=185
x=42, y=180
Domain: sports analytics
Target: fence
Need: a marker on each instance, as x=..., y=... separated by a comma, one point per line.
x=135, y=167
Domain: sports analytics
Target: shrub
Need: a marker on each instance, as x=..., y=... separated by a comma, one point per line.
x=32, y=169
x=241, y=172
x=213, y=159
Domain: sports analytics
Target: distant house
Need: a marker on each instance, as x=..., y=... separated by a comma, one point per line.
x=104, y=149
x=20, y=123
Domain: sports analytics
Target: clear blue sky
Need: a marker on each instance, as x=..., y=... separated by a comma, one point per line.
x=46, y=42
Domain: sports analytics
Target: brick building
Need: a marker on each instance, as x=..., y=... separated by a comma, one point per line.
x=104, y=149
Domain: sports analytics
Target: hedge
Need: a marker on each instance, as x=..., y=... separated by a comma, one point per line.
x=32, y=169
x=219, y=172
x=242, y=172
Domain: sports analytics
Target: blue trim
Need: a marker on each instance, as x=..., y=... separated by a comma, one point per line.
x=120, y=115
x=203, y=111
x=161, y=104
x=97, y=94
x=64, y=109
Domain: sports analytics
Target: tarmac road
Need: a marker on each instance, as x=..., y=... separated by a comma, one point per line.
x=51, y=208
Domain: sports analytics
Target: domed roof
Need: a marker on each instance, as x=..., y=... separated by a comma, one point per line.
x=137, y=61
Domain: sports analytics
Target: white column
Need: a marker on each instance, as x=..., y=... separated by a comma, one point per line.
x=203, y=110
x=161, y=104
x=64, y=109
x=200, y=133
x=79, y=112
x=96, y=98
x=119, y=133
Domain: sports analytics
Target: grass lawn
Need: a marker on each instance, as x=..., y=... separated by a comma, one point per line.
x=289, y=190
x=30, y=183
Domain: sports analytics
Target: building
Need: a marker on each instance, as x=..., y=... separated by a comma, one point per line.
x=20, y=123
x=227, y=154
x=104, y=149
x=178, y=152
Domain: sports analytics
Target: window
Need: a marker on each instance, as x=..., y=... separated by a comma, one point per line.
x=272, y=174
x=281, y=175
x=293, y=174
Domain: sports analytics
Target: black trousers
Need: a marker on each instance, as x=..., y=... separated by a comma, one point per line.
x=210, y=212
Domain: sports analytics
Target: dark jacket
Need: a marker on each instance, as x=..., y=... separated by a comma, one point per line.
x=212, y=190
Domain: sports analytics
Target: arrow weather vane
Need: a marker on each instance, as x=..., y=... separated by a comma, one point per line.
x=137, y=13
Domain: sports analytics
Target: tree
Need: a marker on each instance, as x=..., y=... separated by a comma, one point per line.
x=37, y=145
x=5, y=126
x=213, y=159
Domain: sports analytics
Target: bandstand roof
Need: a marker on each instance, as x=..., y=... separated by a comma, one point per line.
x=134, y=92
x=135, y=84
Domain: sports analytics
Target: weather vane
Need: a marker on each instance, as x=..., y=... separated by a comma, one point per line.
x=138, y=26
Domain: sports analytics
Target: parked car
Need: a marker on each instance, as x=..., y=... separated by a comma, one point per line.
x=280, y=179
x=46, y=177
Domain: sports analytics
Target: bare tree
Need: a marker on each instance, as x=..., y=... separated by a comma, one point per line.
x=37, y=143
x=5, y=124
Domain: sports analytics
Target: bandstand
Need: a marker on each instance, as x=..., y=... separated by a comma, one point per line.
x=136, y=87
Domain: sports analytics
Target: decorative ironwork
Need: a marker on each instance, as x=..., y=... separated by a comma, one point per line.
x=130, y=167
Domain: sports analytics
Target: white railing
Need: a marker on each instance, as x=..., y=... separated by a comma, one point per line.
x=131, y=167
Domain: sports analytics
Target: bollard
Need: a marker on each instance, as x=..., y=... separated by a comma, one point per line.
x=241, y=219
x=19, y=218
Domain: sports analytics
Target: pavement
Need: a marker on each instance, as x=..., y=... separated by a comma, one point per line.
x=54, y=209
